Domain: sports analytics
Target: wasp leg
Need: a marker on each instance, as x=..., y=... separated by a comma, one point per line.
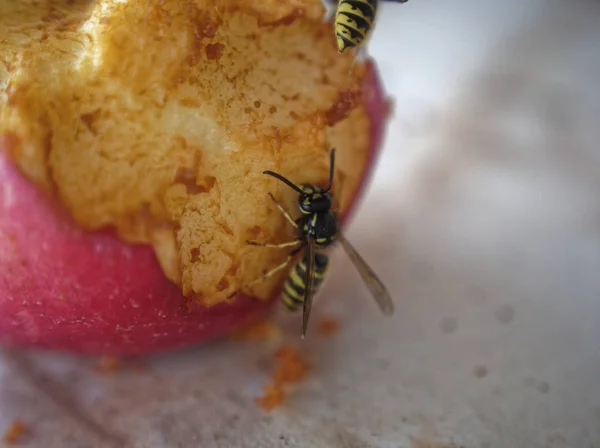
x=270, y=273
x=339, y=195
x=239, y=291
x=267, y=274
x=277, y=246
x=282, y=210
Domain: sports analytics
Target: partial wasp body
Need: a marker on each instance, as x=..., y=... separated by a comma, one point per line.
x=295, y=285
x=354, y=20
x=317, y=229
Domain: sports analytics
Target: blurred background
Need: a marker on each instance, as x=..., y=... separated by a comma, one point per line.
x=483, y=218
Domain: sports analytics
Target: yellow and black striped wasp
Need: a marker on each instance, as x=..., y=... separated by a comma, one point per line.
x=354, y=21
x=317, y=229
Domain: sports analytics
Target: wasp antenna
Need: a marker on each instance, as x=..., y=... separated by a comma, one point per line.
x=284, y=180
x=331, y=169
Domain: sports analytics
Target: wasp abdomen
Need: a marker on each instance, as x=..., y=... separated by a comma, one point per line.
x=353, y=22
x=293, y=289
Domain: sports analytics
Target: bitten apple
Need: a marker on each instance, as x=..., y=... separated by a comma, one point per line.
x=66, y=283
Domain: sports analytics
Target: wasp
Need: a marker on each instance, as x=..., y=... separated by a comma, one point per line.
x=354, y=20
x=317, y=228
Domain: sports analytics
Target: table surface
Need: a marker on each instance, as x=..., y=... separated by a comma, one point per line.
x=484, y=219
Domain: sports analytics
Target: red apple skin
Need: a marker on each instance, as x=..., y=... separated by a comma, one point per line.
x=65, y=289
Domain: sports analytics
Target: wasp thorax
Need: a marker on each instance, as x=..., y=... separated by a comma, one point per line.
x=314, y=200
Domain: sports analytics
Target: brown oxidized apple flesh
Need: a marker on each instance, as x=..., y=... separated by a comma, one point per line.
x=65, y=289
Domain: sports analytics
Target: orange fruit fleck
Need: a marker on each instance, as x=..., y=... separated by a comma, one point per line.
x=109, y=364
x=328, y=326
x=15, y=431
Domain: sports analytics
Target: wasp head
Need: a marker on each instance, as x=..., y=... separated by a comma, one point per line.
x=314, y=200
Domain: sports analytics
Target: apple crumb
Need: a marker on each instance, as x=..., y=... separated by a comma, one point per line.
x=328, y=326
x=291, y=368
x=108, y=364
x=15, y=431
x=273, y=396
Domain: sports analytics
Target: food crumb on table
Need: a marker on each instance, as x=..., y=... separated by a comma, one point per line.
x=111, y=364
x=14, y=432
x=108, y=364
x=328, y=326
x=291, y=368
x=273, y=396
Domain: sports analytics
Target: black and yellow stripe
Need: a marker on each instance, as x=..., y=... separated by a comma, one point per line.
x=353, y=22
x=293, y=289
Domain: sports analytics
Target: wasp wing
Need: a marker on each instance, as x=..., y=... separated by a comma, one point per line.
x=309, y=255
x=376, y=286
